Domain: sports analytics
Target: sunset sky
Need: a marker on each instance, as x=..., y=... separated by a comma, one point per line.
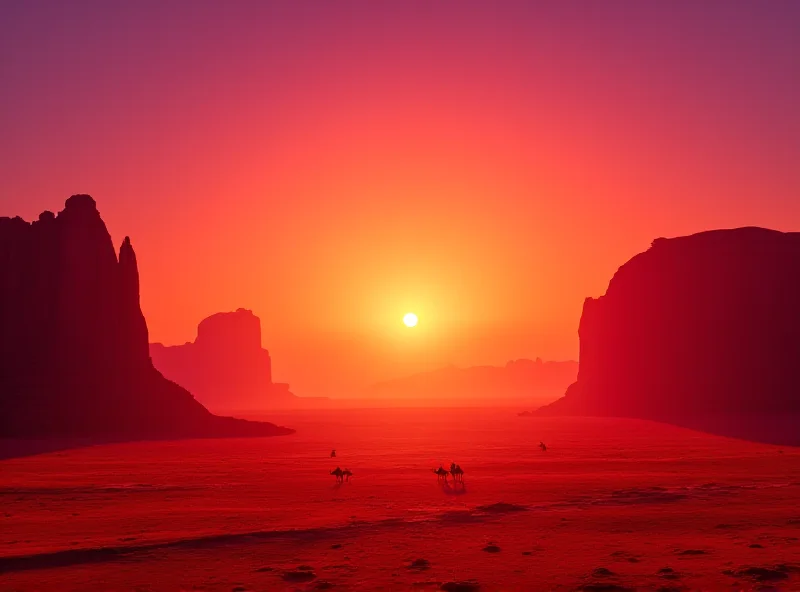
x=334, y=165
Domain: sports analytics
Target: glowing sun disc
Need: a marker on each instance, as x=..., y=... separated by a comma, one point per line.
x=410, y=320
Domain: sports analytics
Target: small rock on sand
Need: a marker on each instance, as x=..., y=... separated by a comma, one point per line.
x=604, y=587
x=491, y=548
x=668, y=573
x=420, y=564
x=763, y=574
x=501, y=508
x=465, y=586
x=303, y=573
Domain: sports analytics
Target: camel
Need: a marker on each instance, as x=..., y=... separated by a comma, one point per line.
x=542, y=446
x=441, y=472
x=338, y=473
x=347, y=473
x=458, y=473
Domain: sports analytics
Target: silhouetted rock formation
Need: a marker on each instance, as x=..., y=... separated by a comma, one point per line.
x=225, y=367
x=518, y=381
x=701, y=331
x=74, y=360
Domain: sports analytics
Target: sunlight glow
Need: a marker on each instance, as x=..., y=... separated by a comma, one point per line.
x=410, y=320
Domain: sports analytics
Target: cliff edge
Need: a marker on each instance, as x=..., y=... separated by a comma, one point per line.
x=700, y=331
x=75, y=357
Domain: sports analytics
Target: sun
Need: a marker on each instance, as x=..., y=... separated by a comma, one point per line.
x=410, y=320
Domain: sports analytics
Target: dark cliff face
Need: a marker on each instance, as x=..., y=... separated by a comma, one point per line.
x=701, y=331
x=74, y=357
x=225, y=367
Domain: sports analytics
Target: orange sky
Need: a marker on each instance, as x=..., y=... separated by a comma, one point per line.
x=332, y=167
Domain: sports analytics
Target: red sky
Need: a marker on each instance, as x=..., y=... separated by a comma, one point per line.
x=334, y=165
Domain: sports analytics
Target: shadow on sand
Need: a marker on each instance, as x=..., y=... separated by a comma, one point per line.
x=21, y=447
x=18, y=448
x=457, y=488
x=94, y=555
x=774, y=429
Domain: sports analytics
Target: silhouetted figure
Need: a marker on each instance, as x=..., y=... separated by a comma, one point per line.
x=441, y=473
x=338, y=473
x=347, y=473
x=542, y=446
x=333, y=453
x=458, y=473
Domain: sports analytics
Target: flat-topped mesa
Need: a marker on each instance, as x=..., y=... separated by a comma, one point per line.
x=76, y=356
x=240, y=329
x=701, y=331
x=225, y=367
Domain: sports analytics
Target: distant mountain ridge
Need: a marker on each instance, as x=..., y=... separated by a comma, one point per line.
x=521, y=381
x=74, y=341
x=701, y=331
x=225, y=367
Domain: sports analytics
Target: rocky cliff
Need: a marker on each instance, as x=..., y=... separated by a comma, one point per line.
x=74, y=357
x=225, y=367
x=701, y=331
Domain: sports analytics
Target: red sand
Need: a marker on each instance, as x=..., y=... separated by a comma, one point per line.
x=626, y=496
